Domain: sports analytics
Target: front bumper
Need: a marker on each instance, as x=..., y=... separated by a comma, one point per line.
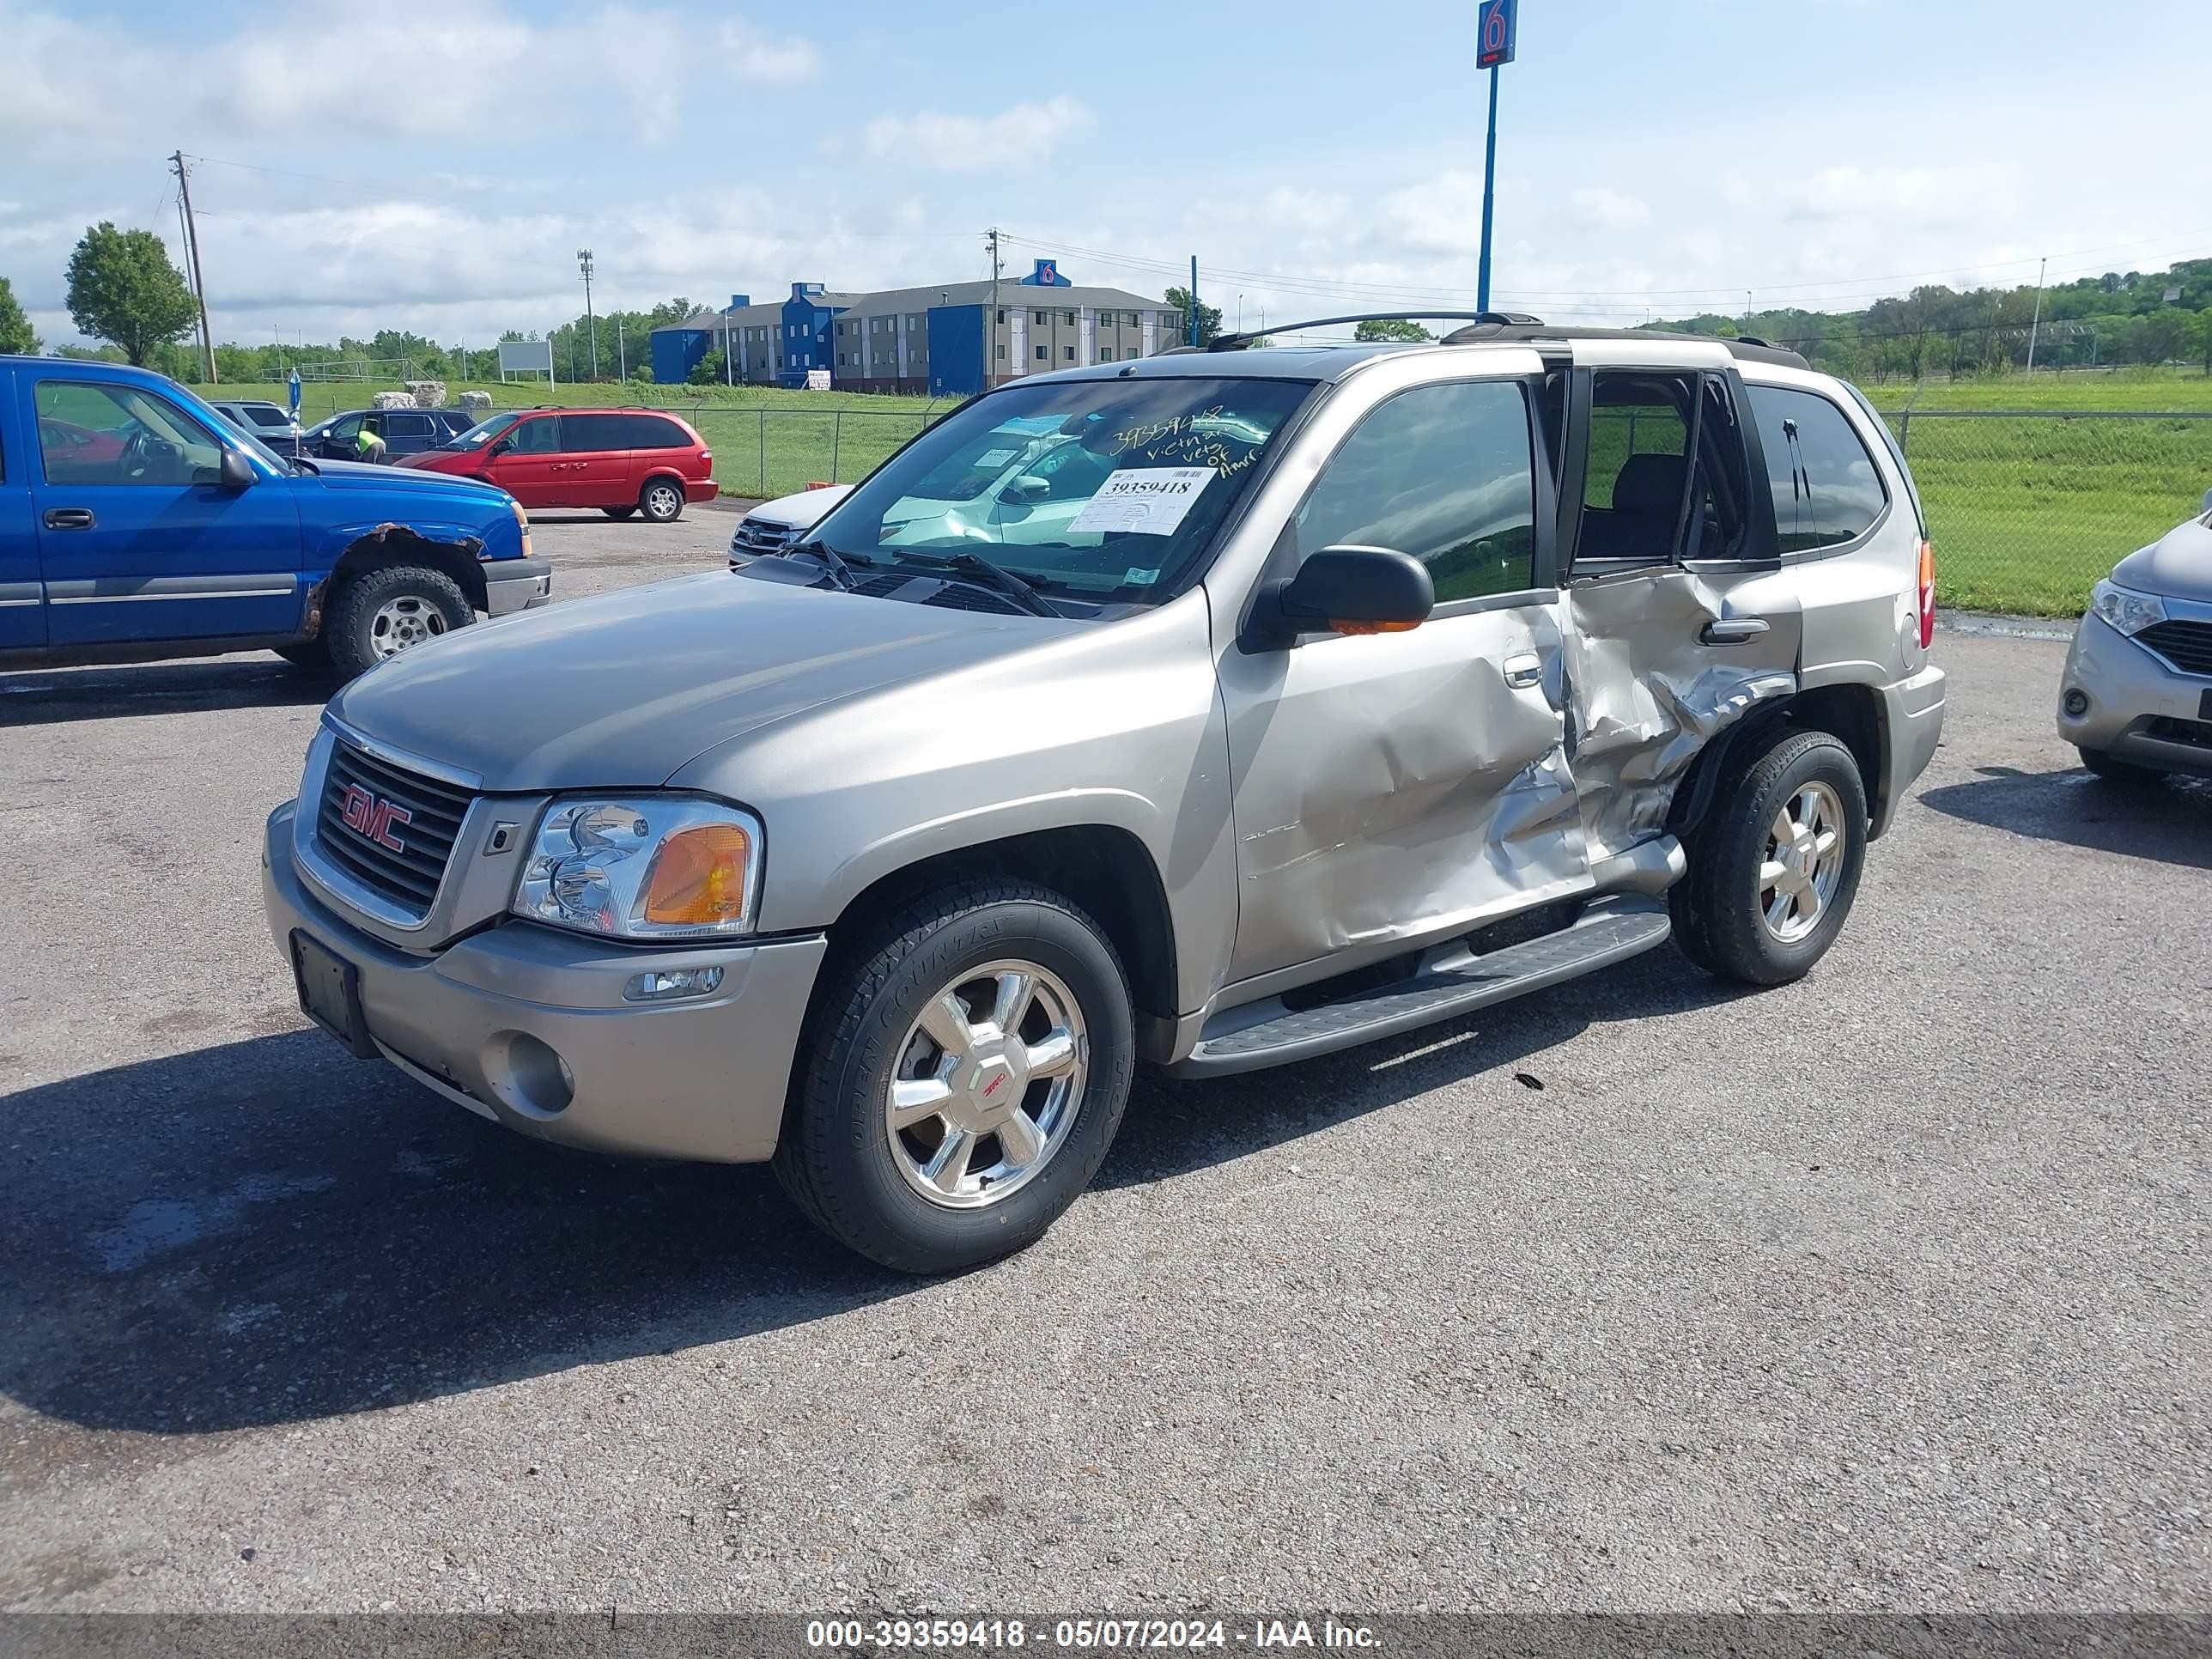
x=699, y=1079
x=511, y=585
x=1912, y=715
x=2139, y=708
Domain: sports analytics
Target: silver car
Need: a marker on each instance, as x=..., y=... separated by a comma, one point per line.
x=2136, y=695
x=1211, y=712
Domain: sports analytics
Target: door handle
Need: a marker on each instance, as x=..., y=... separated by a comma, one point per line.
x=1523, y=671
x=1732, y=630
x=69, y=518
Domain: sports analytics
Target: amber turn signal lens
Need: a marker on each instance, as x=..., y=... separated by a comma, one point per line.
x=1372, y=626
x=698, y=877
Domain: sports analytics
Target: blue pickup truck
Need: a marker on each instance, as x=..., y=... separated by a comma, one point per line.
x=136, y=523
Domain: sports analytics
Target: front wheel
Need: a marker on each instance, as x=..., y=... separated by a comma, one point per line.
x=661, y=502
x=382, y=612
x=962, y=1079
x=1773, y=871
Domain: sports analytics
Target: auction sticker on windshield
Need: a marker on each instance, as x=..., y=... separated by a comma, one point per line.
x=1144, y=501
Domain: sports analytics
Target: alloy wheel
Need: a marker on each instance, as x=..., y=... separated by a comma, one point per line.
x=989, y=1082
x=402, y=622
x=1806, y=845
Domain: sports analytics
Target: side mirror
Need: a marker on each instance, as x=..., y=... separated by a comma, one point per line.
x=498, y=449
x=1344, y=590
x=234, y=471
x=1027, y=487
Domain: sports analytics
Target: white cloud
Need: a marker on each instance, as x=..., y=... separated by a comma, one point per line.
x=85, y=89
x=1019, y=138
x=1609, y=209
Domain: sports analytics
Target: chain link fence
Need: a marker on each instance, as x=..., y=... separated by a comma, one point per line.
x=770, y=451
x=2027, y=508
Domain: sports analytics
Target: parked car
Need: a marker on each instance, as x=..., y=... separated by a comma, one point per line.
x=2136, y=695
x=1367, y=687
x=404, y=431
x=141, y=524
x=774, y=525
x=271, y=423
x=619, y=460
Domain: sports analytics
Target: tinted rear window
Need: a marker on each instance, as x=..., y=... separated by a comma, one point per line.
x=592, y=432
x=1826, y=487
x=655, y=432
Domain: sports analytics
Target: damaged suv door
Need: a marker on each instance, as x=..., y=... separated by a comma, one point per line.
x=1677, y=620
x=1396, y=786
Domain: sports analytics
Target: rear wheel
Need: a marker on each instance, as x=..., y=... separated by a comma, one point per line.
x=661, y=500
x=2113, y=769
x=1774, y=870
x=380, y=612
x=617, y=512
x=963, y=1079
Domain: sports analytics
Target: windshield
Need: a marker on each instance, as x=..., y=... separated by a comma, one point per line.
x=482, y=433
x=1104, y=491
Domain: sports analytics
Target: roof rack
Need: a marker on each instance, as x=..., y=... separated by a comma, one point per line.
x=1238, y=342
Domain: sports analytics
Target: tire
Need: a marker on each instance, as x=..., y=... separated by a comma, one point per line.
x=617, y=512
x=2111, y=769
x=1725, y=914
x=661, y=500
x=861, y=1180
x=410, y=601
x=311, y=656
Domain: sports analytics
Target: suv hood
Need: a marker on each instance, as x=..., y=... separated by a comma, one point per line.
x=370, y=475
x=2177, y=566
x=621, y=691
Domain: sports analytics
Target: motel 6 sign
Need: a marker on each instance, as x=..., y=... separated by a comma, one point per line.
x=1495, y=32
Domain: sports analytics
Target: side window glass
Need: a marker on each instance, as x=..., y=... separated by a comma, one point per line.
x=1444, y=473
x=91, y=432
x=653, y=433
x=541, y=437
x=1639, y=444
x=346, y=430
x=1826, y=487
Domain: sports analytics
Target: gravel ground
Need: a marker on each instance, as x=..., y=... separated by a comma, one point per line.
x=1885, y=1290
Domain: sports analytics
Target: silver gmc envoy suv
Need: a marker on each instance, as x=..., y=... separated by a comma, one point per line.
x=1215, y=710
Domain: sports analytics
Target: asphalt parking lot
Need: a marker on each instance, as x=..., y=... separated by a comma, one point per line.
x=1885, y=1290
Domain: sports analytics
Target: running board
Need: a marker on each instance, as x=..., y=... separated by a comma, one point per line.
x=1454, y=981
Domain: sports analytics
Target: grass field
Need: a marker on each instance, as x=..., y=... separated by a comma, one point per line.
x=2026, y=506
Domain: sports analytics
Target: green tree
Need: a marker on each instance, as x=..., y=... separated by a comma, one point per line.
x=709, y=369
x=1390, y=328
x=16, y=335
x=122, y=288
x=1209, y=317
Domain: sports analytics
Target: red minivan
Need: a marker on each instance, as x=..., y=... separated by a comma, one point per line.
x=619, y=460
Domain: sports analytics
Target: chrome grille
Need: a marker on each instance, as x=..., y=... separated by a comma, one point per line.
x=756, y=536
x=408, y=877
x=2186, y=645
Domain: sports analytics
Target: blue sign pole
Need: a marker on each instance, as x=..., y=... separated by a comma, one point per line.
x=1489, y=200
x=1193, y=299
x=1497, y=34
x=292, y=392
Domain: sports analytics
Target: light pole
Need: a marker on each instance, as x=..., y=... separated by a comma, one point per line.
x=584, y=258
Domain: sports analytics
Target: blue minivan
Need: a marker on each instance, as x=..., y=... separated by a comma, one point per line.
x=136, y=523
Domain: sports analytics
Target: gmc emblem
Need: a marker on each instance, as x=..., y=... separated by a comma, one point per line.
x=372, y=817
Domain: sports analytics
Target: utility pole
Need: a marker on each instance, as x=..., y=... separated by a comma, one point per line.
x=192, y=252
x=1193, y=299
x=2036, y=322
x=621, y=352
x=584, y=258
x=991, y=323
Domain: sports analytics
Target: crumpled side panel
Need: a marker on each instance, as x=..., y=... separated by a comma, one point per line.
x=1387, y=786
x=1646, y=694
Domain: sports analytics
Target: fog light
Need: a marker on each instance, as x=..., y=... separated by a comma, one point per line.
x=2077, y=702
x=671, y=983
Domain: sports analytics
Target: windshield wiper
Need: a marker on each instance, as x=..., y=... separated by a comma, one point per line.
x=990, y=576
x=839, y=565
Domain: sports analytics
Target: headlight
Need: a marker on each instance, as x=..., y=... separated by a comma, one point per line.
x=644, y=865
x=2127, y=610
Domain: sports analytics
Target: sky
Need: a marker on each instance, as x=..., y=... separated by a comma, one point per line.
x=436, y=168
